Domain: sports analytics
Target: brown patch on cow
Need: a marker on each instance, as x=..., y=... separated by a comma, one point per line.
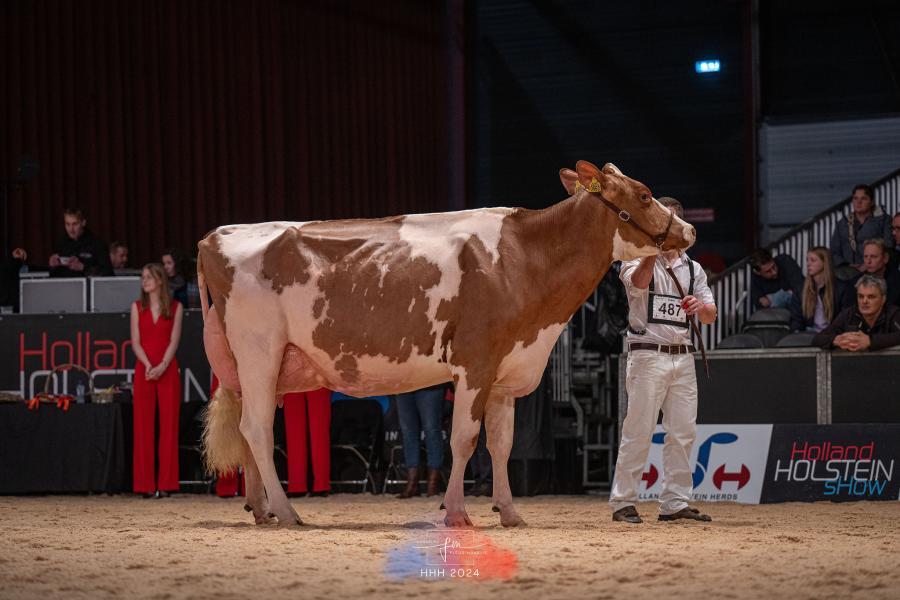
x=318, y=305
x=348, y=368
x=375, y=293
x=283, y=263
x=542, y=276
x=218, y=275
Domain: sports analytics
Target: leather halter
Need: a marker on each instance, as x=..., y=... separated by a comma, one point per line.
x=625, y=216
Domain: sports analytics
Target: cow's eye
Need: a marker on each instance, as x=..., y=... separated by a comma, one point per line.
x=645, y=197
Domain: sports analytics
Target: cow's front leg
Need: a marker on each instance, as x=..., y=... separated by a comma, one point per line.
x=499, y=423
x=462, y=443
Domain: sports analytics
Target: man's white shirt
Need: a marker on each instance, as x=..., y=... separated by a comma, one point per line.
x=667, y=301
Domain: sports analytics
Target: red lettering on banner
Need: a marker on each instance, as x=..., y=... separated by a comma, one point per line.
x=798, y=453
x=61, y=344
x=23, y=352
x=78, y=345
x=109, y=351
x=863, y=455
x=87, y=350
x=126, y=344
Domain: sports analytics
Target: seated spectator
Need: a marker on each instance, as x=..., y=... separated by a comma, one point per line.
x=894, y=263
x=870, y=325
x=866, y=221
x=823, y=295
x=118, y=255
x=774, y=281
x=79, y=253
x=10, y=267
x=875, y=260
x=182, y=277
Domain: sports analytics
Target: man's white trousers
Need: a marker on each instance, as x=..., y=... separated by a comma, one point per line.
x=657, y=381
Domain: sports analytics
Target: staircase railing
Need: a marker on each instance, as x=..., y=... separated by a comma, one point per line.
x=731, y=288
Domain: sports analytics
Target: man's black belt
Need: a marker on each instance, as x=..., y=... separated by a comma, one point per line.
x=682, y=349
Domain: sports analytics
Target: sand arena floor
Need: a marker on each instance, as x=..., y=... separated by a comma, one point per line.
x=192, y=546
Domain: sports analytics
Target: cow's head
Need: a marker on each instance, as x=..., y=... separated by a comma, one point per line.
x=643, y=226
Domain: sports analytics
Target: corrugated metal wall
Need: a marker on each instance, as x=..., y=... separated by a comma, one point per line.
x=807, y=167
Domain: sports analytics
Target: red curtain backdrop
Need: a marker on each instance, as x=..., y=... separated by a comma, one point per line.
x=164, y=119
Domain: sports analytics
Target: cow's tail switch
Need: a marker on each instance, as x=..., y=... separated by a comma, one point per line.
x=224, y=448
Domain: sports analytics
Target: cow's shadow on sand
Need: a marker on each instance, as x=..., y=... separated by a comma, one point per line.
x=312, y=526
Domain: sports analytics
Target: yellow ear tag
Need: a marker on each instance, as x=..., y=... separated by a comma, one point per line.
x=595, y=186
x=578, y=186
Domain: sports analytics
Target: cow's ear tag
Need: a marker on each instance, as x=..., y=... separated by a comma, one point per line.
x=595, y=186
x=578, y=186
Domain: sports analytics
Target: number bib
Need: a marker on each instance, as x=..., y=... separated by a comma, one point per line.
x=666, y=310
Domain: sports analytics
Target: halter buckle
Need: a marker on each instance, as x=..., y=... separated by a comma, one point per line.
x=624, y=215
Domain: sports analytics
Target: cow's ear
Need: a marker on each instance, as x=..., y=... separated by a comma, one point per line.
x=590, y=176
x=569, y=178
x=611, y=168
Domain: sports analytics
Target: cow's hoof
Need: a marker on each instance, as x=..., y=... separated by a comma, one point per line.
x=460, y=519
x=509, y=517
x=512, y=521
x=264, y=519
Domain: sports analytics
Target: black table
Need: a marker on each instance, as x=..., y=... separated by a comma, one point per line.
x=52, y=451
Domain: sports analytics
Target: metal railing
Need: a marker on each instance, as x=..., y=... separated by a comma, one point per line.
x=731, y=288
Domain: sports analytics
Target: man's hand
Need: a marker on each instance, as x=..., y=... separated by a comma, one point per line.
x=861, y=268
x=853, y=341
x=764, y=301
x=20, y=254
x=75, y=264
x=54, y=260
x=691, y=305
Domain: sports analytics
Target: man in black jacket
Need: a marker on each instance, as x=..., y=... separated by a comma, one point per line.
x=79, y=253
x=774, y=281
x=870, y=325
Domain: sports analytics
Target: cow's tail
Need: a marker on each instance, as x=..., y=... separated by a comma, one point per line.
x=224, y=447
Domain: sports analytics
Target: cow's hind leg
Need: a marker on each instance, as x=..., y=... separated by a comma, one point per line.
x=256, y=493
x=258, y=370
x=462, y=442
x=499, y=423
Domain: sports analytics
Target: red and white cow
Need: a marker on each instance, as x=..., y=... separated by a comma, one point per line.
x=384, y=306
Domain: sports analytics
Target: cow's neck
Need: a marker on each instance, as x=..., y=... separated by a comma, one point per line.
x=569, y=249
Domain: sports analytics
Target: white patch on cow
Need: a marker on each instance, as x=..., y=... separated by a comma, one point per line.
x=439, y=238
x=625, y=250
x=429, y=234
x=521, y=369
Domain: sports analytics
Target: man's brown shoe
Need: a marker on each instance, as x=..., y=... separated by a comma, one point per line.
x=686, y=513
x=629, y=514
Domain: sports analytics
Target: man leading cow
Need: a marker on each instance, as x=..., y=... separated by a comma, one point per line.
x=660, y=375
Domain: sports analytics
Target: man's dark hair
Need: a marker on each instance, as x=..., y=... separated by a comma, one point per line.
x=760, y=257
x=74, y=212
x=113, y=246
x=674, y=204
x=867, y=190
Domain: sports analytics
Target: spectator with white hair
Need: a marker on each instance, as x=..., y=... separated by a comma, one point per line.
x=872, y=324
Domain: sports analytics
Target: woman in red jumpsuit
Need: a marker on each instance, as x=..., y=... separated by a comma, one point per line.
x=308, y=413
x=155, y=333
